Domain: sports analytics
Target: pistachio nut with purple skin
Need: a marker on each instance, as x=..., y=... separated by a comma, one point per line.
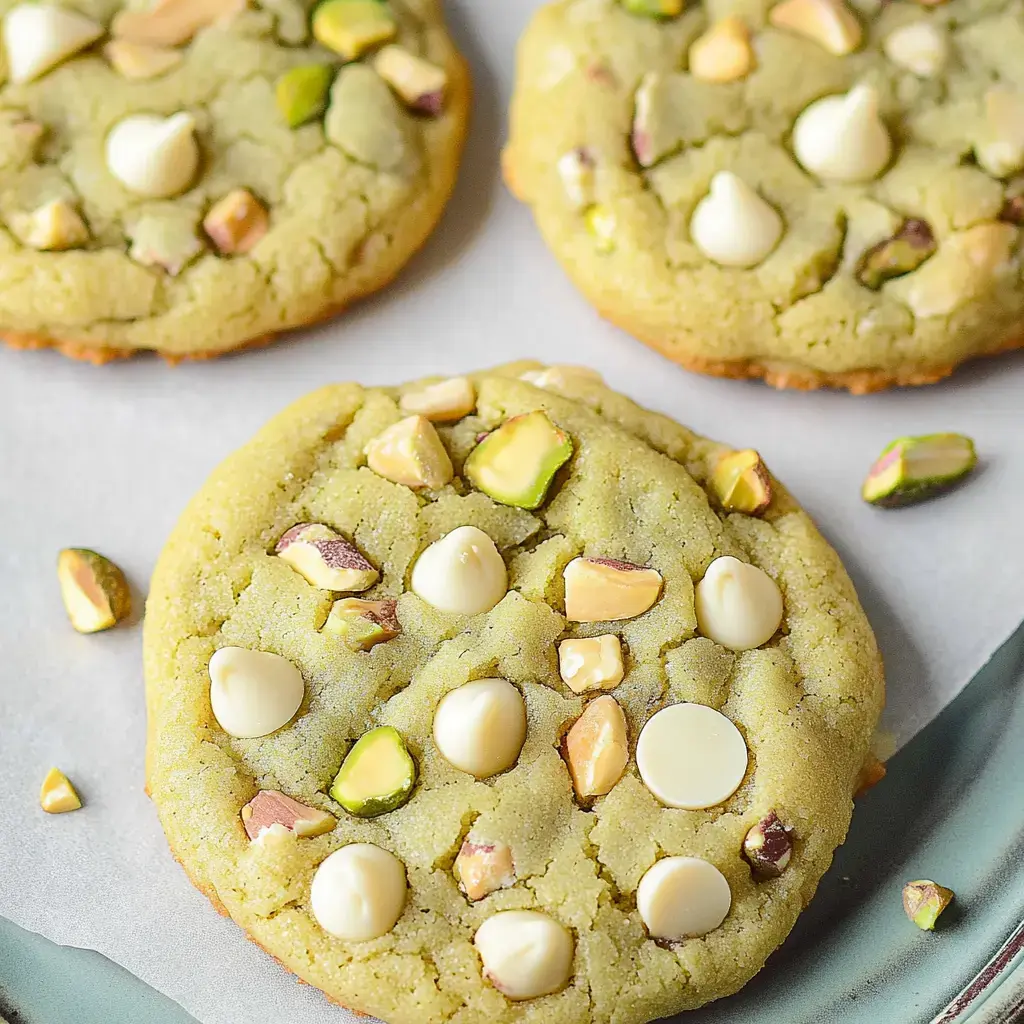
x=325, y=559
x=914, y=469
x=741, y=483
x=768, y=848
x=896, y=256
x=924, y=901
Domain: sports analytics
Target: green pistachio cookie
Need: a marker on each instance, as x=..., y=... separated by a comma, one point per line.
x=198, y=175
x=816, y=192
x=500, y=699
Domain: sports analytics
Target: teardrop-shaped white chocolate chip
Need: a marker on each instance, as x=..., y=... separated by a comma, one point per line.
x=462, y=572
x=253, y=693
x=733, y=225
x=843, y=137
x=154, y=156
x=39, y=36
x=359, y=892
x=480, y=727
x=738, y=605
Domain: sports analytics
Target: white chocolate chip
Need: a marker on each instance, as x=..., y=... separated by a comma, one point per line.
x=738, y=605
x=829, y=23
x=154, y=156
x=733, y=225
x=480, y=727
x=253, y=693
x=691, y=756
x=683, y=897
x=558, y=377
x=922, y=48
x=462, y=572
x=358, y=893
x=525, y=953
x=591, y=663
x=442, y=402
x=1000, y=148
x=723, y=53
x=843, y=138
x=39, y=36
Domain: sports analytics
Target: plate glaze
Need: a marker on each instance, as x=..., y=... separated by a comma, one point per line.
x=950, y=809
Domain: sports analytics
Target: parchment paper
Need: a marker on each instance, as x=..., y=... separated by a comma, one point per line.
x=108, y=457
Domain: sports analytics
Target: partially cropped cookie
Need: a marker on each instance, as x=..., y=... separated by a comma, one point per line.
x=567, y=733
x=192, y=177
x=816, y=192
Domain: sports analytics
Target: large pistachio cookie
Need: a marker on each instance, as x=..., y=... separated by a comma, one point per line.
x=501, y=699
x=198, y=175
x=810, y=191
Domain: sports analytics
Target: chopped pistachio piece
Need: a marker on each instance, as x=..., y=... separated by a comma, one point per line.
x=236, y=223
x=52, y=227
x=352, y=27
x=482, y=867
x=140, y=62
x=601, y=224
x=57, y=795
x=420, y=84
x=301, y=93
x=597, y=748
x=377, y=776
x=576, y=169
x=767, y=847
x=923, y=902
x=442, y=402
x=654, y=8
x=95, y=592
x=516, y=463
x=272, y=811
x=896, y=256
x=741, y=483
x=410, y=452
x=325, y=559
x=166, y=240
x=362, y=624
x=1013, y=210
x=606, y=589
x=913, y=469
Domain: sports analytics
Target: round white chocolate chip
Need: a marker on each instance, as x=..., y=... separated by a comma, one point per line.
x=683, y=897
x=733, y=225
x=738, y=605
x=253, y=693
x=358, y=892
x=691, y=756
x=525, y=953
x=39, y=36
x=480, y=727
x=154, y=156
x=843, y=138
x=922, y=47
x=462, y=572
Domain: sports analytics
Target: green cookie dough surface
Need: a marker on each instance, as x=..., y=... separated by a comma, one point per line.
x=350, y=195
x=799, y=318
x=806, y=704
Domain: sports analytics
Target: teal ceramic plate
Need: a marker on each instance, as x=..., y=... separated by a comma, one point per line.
x=950, y=809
